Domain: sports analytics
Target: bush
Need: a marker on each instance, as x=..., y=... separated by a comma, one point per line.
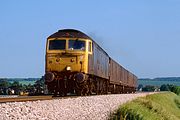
x=172, y=88
x=164, y=88
x=176, y=90
x=149, y=88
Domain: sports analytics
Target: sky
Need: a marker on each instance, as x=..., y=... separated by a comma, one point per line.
x=141, y=35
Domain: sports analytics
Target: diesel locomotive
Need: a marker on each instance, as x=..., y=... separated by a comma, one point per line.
x=75, y=63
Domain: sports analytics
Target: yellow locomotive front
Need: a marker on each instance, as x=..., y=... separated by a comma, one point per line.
x=66, y=61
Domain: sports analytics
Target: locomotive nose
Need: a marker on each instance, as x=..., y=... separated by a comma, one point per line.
x=49, y=77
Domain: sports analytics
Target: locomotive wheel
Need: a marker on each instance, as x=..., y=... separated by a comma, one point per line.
x=65, y=92
x=98, y=86
x=104, y=87
x=91, y=86
x=79, y=88
x=85, y=90
x=78, y=92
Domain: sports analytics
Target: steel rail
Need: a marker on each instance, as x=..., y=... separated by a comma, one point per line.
x=25, y=98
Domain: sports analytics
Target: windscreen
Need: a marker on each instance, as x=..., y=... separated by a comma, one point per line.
x=57, y=44
x=76, y=45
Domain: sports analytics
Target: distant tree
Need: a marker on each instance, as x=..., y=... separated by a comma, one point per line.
x=172, y=88
x=16, y=87
x=39, y=86
x=176, y=89
x=149, y=88
x=23, y=87
x=30, y=89
x=164, y=88
x=4, y=84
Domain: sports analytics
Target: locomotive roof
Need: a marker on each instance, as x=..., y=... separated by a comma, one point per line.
x=69, y=33
x=72, y=33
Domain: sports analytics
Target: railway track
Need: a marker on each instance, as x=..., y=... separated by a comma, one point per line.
x=24, y=98
x=5, y=99
x=13, y=98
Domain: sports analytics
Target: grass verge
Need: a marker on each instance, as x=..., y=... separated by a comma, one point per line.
x=160, y=106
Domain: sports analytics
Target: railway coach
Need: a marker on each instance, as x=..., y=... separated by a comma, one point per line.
x=77, y=64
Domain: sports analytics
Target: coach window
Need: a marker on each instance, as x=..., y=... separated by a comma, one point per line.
x=90, y=47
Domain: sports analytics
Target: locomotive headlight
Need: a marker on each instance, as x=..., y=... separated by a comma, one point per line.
x=68, y=68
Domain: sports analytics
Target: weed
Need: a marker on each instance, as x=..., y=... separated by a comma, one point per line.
x=161, y=106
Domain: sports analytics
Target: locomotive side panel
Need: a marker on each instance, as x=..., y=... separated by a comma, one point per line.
x=99, y=62
x=125, y=77
x=122, y=75
x=115, y=73
x=90, y=64
x=131, y=80
x=135, y=79
x=118, y=72
x=90, y=59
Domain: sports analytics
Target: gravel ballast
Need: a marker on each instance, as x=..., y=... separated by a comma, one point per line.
x=80, y=108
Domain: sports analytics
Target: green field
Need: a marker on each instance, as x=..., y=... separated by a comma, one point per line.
x=160, y=106
x=24, y=82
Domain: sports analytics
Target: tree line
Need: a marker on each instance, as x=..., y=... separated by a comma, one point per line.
x=164, y=87
x=16, y=88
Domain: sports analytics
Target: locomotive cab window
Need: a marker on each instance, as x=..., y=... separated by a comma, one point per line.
x=57, y=44
x=76, y=45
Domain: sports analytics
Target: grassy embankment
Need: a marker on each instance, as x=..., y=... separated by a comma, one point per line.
x=161, y=106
